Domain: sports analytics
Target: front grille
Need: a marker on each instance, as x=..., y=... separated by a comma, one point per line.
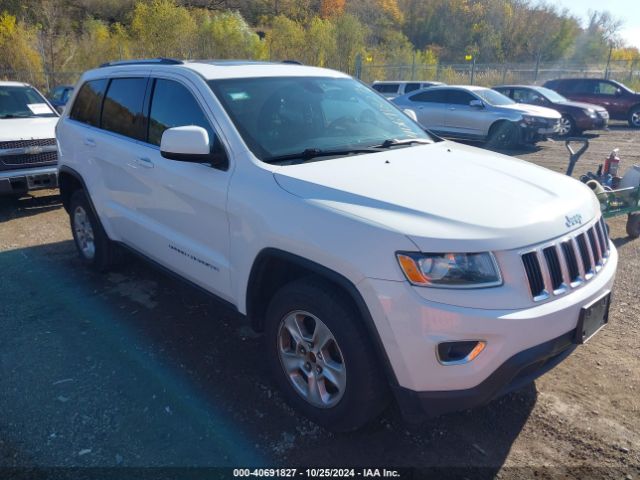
x=21, y=161
x=553, y=268
x=40, y=142
x=17, y=160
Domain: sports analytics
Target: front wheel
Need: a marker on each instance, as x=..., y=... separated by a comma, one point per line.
x=566, y=126
x=503, y=135
x=634, y=117
x=321, y=357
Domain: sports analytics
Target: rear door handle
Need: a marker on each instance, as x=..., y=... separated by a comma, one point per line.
x=89, y=142
x=144, y=162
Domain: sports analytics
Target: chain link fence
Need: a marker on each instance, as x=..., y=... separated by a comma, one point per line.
x=486, y=74
x=489, y=74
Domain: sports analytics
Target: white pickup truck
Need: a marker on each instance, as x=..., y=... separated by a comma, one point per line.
x=28, y=151
x=379, y=262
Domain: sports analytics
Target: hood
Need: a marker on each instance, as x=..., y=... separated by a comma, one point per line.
x=27, y=128
x=535, y=110
x=446, y=196
x=581, y=105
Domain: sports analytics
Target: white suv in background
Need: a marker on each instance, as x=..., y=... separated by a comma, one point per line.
x=391, y=89
x=364, y=249
x=28, y=151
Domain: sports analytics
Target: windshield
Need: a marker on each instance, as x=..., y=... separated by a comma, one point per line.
x=492, y=97
x=23, y=102
x=551, y=95
x=279, y=116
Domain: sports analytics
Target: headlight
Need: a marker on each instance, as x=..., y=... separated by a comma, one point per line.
x=450, y=270
x=528, y=119
x=590, y=112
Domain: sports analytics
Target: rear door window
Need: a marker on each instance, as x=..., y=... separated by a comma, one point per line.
x=430, y=96
x=86, y=107
x=122, y=110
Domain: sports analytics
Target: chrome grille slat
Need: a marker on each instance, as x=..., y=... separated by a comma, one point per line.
x=595, y=248
x=567, y=263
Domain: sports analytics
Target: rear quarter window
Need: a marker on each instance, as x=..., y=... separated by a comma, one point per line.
x=86, y=107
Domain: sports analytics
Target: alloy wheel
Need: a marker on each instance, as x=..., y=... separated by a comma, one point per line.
x=84, y=233
x=564, y=126
x=311, y=359
x=635, y=118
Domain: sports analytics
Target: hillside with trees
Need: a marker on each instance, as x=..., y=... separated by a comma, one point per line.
x=56, y=36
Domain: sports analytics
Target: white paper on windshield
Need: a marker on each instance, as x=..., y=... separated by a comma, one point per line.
x=39, y=108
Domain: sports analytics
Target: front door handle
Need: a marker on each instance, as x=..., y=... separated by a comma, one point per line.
x=144, y=162
x=89, y=142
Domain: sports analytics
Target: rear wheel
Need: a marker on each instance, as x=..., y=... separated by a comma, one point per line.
x=634, y=117
x=633, y=225
x=320, y=356
x=567, y=126
x=503, y=135
x=92, y=243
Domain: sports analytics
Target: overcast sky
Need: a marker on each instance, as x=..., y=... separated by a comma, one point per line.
x=626, y=10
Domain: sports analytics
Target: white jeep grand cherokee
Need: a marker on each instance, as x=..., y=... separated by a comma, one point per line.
x=376, y=258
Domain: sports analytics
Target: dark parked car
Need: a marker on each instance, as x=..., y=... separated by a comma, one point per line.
x=621, y=102
x=60, y=95
x=576, y=116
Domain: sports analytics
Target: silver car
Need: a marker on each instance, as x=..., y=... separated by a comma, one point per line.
x=479, y=114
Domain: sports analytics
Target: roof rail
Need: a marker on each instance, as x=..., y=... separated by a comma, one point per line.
x=144, y=61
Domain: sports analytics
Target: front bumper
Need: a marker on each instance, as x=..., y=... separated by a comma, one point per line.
x=530, y=133
x=520, y=344
x=26, y=179
x=518, y=371
x=590, y=123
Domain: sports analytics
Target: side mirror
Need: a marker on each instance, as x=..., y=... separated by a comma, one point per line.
x=476, y=104
x=190, y=144
x=618, y=92
x=411, y=114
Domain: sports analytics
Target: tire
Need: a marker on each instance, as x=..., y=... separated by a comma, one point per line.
x=633, y=225
x=567, y=127
x=356, y=391
x=93, y=245
x=634, y=117
x=503, y=135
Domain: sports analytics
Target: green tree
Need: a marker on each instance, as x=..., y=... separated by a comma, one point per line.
x=286, y=39
x=20, y=59
x=160, y=28
x=227, y=35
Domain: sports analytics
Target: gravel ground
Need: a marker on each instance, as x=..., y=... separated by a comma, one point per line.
x=135, y=369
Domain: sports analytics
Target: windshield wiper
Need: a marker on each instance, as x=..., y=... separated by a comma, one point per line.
x=392, y=142
x=10, y=115
x=311, y=153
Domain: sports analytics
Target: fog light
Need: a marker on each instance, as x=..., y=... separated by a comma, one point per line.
x=459, y=353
